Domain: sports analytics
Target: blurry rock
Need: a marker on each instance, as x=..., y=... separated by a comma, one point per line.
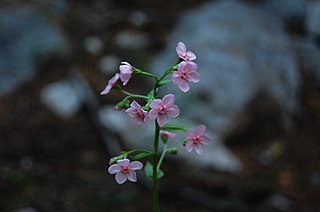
x=138, y=18
x=62, y=98
x=109, y=64
x=93, y=45
x=27, y=37
x=26, y=163
x=280, y=202
x=242, y=52
x=313, y=17
x=138, y=136
x=287, y=9
x=131, y=40
x=308, y=55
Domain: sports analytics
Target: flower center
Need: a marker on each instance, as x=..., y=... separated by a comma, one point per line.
x=183, y=74
x=125, y=169
x=196, y=139
x=162, y=109
x=140, y=113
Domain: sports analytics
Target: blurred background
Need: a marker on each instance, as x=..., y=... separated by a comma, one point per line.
x=259, y=96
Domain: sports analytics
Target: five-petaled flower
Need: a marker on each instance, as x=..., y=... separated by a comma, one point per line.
x=183, y=53
x=125, y=72
x=196, y=139
x=112, y=82
x=161, y=109
x=136, y=112
x=187, y=72
x=125, y=170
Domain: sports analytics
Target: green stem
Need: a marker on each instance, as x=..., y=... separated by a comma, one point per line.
x=136, y=150
x=155, y=168
x=131, y=94
x=164, y=151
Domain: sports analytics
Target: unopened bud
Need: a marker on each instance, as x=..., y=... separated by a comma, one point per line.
x=172, y=150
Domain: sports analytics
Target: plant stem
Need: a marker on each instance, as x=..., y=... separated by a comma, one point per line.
x=155, y=168
x=131, y=94
x=164, y=151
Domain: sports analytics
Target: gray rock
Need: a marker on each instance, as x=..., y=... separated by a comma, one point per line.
x=131, y=40
x=286, y=9
x=241, y=52
x=239, y=56
x=308, y=55
x=26, y=38
x=313, y=17
x=62, y=98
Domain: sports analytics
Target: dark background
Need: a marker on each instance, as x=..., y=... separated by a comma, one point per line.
x=51, y=163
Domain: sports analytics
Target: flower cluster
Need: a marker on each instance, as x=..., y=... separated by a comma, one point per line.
x=157, y=110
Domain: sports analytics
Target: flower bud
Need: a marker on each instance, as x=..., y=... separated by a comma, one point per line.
x=172, y=150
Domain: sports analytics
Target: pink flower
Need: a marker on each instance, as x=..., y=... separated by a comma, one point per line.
x=196, y=139
x=183, y=53
x=125, y=170
x=167, y=134
x=112, y=82
x=125, y=72
x=187, y=72
x=138, y=115
x=161, y=109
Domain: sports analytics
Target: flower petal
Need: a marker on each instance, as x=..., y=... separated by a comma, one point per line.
x=114, y=168
x=173, y=111
x=199, y=149
x=184, y=86
x=135, y=165
x=135, y=104
x=155, y=103
x=189, y=146
x=181, y=48
x=191, y=55
x=123, y=162
x=175, y=77
x=194, y=76
x=168, y=100
x=162, y=119
x=121, y=178
x=190, y=134
x=132, y=176
x=206, y=140
x=200, y=129
x=153, y=114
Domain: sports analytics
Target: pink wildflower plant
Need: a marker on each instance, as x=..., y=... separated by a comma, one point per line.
x=111, y=83
x=196, y=139
x=182, y=52
x=136, y=112
x=125, y=170
x=162, y=109
x=125, y=72
x=187, y=72
x=167, y=134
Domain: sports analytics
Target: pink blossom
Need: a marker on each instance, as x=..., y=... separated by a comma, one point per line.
x=138, y=115
x=112, y=82
x=167, y=134
x=125, y=170
x=125, y=72
x=183, y=53
x=161, y=109
x=187, y=72
x=196, y=139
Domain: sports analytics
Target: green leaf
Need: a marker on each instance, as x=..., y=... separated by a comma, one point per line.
x=163, y=82
x=148, y=170
x=141, y=155
x=174, y=127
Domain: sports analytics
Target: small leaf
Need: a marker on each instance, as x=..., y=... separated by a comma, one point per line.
x=148, y=170
x=141, y=155
x=174, y=127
